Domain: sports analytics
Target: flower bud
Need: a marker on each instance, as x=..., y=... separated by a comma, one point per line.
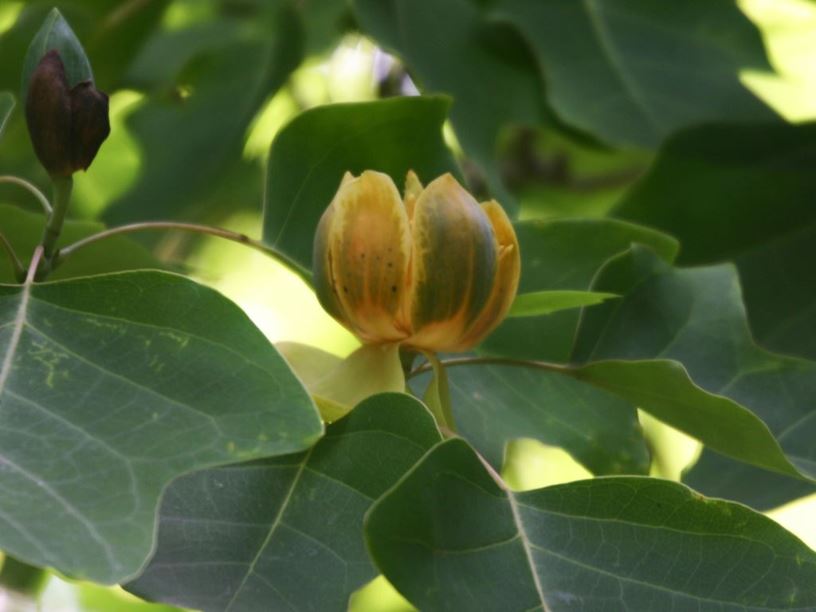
x=433, y=271
x=66, y=125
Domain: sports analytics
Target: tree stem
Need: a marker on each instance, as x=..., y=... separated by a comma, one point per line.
x=464, y=361
x=184, y=227
x=15, y=180
x=62, y=198
x=22, y=577
x=437, y=397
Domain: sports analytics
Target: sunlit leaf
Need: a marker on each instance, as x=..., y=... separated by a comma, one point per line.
x=633, y=71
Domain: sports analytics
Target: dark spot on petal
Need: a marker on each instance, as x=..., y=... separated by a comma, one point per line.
x=393, y=288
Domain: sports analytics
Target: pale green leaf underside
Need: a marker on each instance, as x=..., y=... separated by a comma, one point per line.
x=609, y=543
x=112, y=386
x=286, y=533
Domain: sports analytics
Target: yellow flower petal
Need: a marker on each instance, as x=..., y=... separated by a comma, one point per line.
x=368, y=254
x=453, y=264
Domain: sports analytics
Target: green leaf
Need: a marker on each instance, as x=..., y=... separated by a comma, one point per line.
x=744, y=192
x=286, y=533
x=221, y=86
x=448, y=537
x=452, y=48
x=547, y=302
x=564, y=255
x=24, y=231
x=55, y=33
x=633, y=71
x=678, y=346
x=780, y=291
x=110, y=388
x=6, y=106
x=495, y=404
x=724, y=189
x=310, y=155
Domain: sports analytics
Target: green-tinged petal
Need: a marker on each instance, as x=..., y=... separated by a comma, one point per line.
x=367, y=256
x=371, y=369
x=413, y=188
x=321, y=264
x=505, y=285
x=453, y=265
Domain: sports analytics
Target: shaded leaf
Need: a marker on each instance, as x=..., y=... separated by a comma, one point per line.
x=678, y=346
x=564, y=255
x=495, y=404
x=482, y=64
x=111, y=387
x=222, y=87
x=286, y=533
x=548, y=302
x=449, y=538
x=310, y=155
x=724, y=189
x=632, y=71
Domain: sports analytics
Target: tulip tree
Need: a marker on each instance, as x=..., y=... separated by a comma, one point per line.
x=545, y=221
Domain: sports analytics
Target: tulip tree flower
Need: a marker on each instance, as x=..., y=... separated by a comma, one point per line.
x=433, y=271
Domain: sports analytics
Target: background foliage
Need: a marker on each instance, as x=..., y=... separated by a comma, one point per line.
x=659, y=153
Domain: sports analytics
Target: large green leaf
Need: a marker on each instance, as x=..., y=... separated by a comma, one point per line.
x=678, y=345
x=286, y=533
x=24, y=231
x=310, y=155
x=495, y=404
x=723, y=189
x=450, y=538
x=564, y=255
x=633, y=71
x=452, y=48
x=744, y=192
x=111, y=387
x=222, y=87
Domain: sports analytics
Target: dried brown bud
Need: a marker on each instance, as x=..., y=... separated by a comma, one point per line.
x=67, y=126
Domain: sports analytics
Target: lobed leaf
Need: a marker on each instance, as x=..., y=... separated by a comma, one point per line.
x=448, y=537
x=111, y=387
x=285, y=533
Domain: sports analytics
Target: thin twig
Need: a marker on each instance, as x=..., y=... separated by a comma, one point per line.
x=16, y=264
x=195, y=228
x=15, y=180
x=463, y=361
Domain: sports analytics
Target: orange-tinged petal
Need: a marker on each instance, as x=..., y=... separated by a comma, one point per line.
x=453, y=264
x=506, y=282
x=369, y=250
x=324, y=284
